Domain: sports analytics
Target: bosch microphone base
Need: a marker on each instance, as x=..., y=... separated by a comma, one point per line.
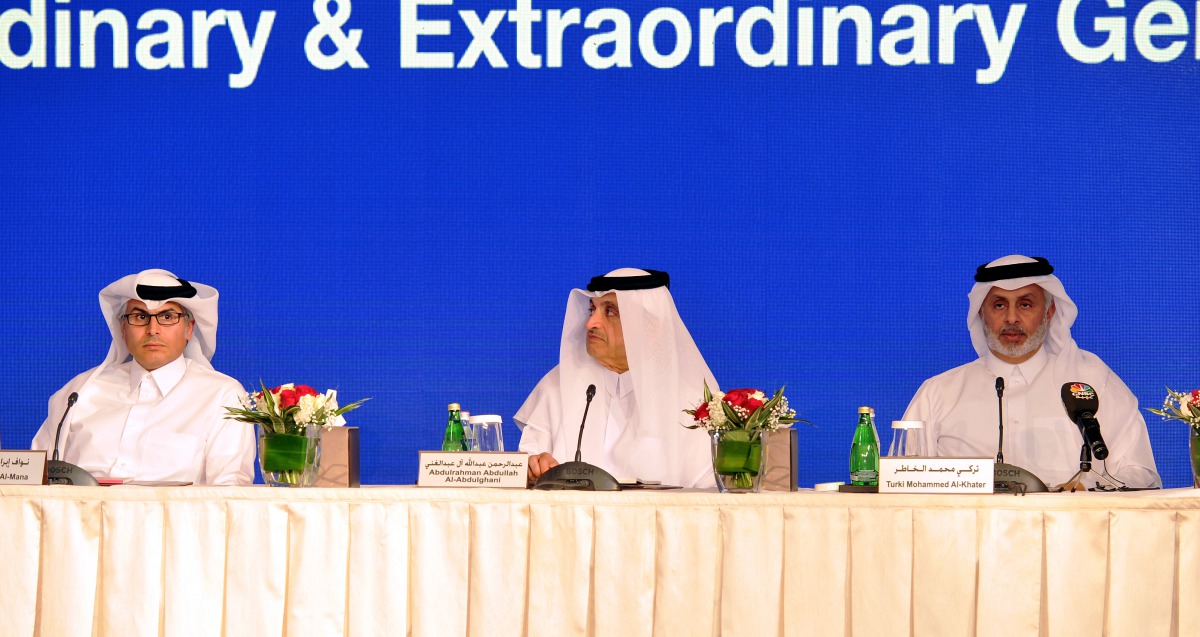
x=577, y=476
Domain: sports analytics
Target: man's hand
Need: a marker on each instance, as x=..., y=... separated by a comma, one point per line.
x=540, y=464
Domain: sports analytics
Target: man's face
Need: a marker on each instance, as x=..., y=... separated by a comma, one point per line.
x=605, y=342
x=1015, y=322
x=155, y=345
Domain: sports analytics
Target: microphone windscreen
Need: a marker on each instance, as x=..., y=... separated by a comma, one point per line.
x=591, y=393
x=1079, y=397
x=72, y=398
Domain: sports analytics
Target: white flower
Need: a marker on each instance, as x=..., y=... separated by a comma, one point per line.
x=247, y=401
x=716, y=413
x=311, y=408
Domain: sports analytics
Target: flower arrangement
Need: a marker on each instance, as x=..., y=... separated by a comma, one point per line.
x=735, y=420
x=746, y=409
x=288, y=409
x=287, y=452
x=1182, y=407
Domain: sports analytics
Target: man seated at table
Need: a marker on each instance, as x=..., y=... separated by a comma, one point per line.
x=1020, y=321
x=154, y=410
x=624, y=336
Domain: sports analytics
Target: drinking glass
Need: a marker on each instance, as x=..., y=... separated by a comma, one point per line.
x=907, y=438
x=489, y=432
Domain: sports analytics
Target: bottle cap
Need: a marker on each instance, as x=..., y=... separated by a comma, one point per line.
x=864, y=410
x=453, y=407
x=488, y=419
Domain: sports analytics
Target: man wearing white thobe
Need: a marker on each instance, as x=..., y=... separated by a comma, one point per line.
x=623, y=335
x=1020, y=321
x=154, y=410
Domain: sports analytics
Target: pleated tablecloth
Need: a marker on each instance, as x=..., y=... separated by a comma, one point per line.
x=259, y=561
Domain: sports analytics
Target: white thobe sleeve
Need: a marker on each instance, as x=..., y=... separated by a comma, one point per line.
x=922, y=408
x=229, y=456
x=540, y=415
x=1130, y=458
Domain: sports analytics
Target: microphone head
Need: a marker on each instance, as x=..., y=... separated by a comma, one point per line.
x=72, y=398
x=1078, y=398
x=591, y=392
x=999, y=384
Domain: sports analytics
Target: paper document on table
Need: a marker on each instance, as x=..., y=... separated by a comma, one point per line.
x=645, y=485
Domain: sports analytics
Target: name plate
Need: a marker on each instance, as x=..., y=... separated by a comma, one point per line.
x=936, y=475
x=502, y=469
x=22, y=467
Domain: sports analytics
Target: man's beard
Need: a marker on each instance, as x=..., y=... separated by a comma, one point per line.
x=1016, y=350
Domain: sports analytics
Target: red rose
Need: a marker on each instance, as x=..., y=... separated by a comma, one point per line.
x=304, y=390
x=287, y=398
x=701, y=412
x=744, y=398
x=1196, y=395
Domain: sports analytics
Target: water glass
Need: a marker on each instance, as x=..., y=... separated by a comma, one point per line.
x=907, y=438
x=489, y=432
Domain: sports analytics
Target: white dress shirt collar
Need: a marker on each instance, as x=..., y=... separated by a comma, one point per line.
x=165, y=377
x=618, y=385
x=1028, y=370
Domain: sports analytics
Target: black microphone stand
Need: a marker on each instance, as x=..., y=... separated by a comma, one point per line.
x=1085, y=469
x=61, y=471
x=578, y=475
x=1007, y=478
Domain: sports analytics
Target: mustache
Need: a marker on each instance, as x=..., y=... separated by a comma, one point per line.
x=1013, y=329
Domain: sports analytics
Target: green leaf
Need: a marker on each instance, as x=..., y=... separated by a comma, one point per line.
x=707, y=393
x=267, y=398
x=736, y=435
x=351, y=407
x=732, y=415
x=758, y=419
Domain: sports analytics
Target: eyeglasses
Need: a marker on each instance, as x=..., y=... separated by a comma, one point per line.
x=166, y=317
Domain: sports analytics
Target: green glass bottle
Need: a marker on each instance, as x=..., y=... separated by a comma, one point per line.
x=453, y=439
x=864, y=451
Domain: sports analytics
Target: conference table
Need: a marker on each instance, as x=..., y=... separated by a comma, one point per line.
x=234, y=561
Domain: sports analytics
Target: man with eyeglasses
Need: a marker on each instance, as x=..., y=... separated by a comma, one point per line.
x=154, y=410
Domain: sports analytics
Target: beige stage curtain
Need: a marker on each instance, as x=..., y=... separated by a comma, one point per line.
x=443, y=562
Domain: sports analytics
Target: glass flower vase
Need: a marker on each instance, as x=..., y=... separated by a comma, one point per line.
x=1194, y=448
x=737, y=458
x=289, y=460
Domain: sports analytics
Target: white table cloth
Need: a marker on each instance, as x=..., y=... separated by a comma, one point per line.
x=401, y=560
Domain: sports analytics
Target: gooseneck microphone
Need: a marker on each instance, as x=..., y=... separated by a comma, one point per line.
x=58, y=433
x=1011, y=478
x=1082, y=403
x=578, y=475
x=60, y=472
x=1000, y=406
x=591, y=393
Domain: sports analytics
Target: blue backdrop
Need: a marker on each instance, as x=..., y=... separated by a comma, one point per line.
x=411, y=234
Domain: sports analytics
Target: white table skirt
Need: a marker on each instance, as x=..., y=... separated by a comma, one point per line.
x=375, y=561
